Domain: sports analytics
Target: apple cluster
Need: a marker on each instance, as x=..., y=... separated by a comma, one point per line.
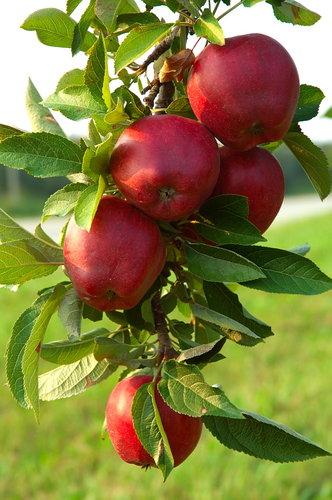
x=243, y=94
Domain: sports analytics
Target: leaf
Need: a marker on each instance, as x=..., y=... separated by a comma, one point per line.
x=82, y=27
x=285, y=271
x=71, y=78
x=41, y=154
x=87, y=204
x=96, y=76
x=41, y=118
x=223, y=227
x=24, y=260
x=262, y=438
x=293, y=12
x=10, y=230
x=201, y=353
x=7, y=131
x=220, y=264
x=225, y=326
x=134, y=106
x=183, y=388
x=70, y=380
x=75, y=102
x=107, y=11
x=70, y=314
x=65, y=352
x=148, y=426
x=139, y=41
x=125, y=22
x=191, y=7
x=175, y=65
x=111, y=349
x=181, y=107
x=62, y=201
x=309, y=102
x=55, y=28
x=207, y=26
x=233, y=203
x=312, y=159
x=71, y=5
x=32, y=349
x=22, y=329
x=222, y=300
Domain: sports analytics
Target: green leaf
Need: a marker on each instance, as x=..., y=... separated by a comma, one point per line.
x=309, y=102
x=65, y=352
x=111, y=349
x=41, y=118
x=7, y=131
x=293, y=12
x=25, y=260
x=125, y=22
x=55, y=28
x=202, y=353
x=181, y=107
x=220, y=264
x=222, y=300
x=82, y=27
x=207, y=26
x=311, y=158
x=223, y=227
x=183, y=388
x=88, y=202
x=32, y=349
x=148, y=426
x=41, y=154
x=22, y=330
x=139, y=41
x=11, y=230
x=285, y=271
x=70, y=380
x=70, y=314
x=71, y=78
x=62, y=201
x=96, y=76
x=233, y=203
x=262, y=438
x=71, y=5
x=75, y=102
x=134, y=107
x=225, y=326
x=191, y=6
x=108, y=11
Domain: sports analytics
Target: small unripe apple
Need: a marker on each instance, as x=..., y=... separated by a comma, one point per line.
x=183, y=432
x=114, y=264
x=246, y=91
x=256, y=174
x=165, y=165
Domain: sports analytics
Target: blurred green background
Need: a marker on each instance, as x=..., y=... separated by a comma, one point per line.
x=287, y=379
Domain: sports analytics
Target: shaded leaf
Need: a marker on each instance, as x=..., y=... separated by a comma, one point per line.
x=181, y=107
x=309, y=102
x=262, y=438
x=311, y=158
x=70, y=313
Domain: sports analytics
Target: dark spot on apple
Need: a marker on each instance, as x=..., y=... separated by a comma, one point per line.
x=256, y=129
x=167, y=193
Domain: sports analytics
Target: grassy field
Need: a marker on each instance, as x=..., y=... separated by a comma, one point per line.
x=287, y=379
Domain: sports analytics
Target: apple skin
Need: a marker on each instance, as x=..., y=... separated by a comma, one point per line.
x=246, y=92
x=165, y=165
x=256, y=174
x=183, y=432
x=114, y=264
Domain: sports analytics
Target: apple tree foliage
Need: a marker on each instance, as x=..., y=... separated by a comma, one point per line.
x=116, y=34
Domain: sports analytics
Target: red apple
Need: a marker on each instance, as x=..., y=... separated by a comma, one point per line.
x=246, y=92
x=256, y=174
x=183, y=432
x=165, y=165
x=114, y=264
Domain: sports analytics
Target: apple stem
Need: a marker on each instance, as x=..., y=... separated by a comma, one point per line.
x=165, y=348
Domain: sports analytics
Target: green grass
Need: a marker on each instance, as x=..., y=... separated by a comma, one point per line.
x=287, y=379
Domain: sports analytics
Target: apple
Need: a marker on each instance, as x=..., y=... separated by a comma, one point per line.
x=183, y=432
x=114, y=264
x=246, y=91
x=165, y=165
x=256, y=174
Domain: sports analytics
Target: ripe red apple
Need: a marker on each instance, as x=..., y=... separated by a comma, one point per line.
x=246, y=91
x=183, y=432
x=165, y=165
x=114, y=264
x=256, y=174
